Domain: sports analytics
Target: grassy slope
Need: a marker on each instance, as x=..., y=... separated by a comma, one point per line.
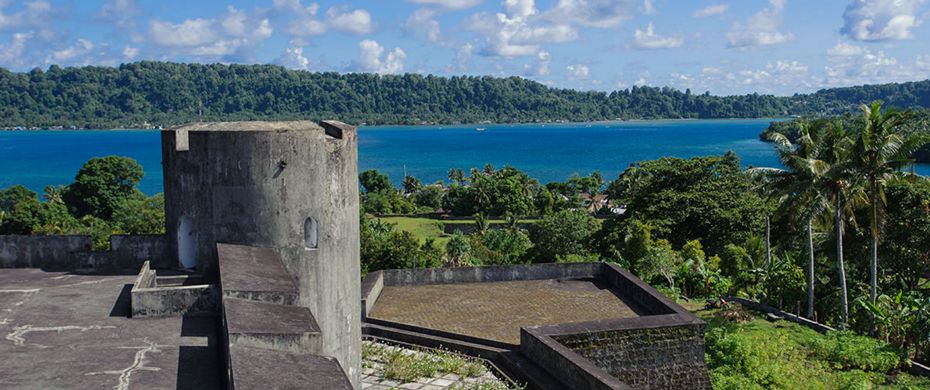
x=759, y=354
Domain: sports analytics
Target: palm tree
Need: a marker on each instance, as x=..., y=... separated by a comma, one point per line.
x=882, y=150
x=52, y=194
x=817, y=178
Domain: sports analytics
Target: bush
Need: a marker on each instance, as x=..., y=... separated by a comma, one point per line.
x=564, y=233
x=500, y=247
x=847, y=350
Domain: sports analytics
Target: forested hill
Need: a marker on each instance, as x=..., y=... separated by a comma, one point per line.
x=163, y=94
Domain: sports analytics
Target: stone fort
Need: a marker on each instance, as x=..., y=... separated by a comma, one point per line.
x=257, y=285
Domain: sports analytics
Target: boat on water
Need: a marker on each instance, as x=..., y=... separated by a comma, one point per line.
x=480, y=129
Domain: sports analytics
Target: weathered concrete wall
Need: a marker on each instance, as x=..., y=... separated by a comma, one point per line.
x=647, y=358
x=261, y=184
x=490, y=273
x=68, y=252
x=130, y=251
x=196, y=300
x=572, y=370
x=42, y=251
x=149, y=299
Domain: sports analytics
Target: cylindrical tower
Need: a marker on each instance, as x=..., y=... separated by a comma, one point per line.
x=291, y=186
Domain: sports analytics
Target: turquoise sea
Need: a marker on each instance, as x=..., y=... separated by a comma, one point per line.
x=548, y=152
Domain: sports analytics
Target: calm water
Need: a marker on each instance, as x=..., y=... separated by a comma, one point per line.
x=547, y=152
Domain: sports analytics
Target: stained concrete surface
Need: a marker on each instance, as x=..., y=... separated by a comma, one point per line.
x=71, y=331
x=497, y=310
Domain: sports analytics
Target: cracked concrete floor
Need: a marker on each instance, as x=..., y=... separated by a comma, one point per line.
x=71, y=331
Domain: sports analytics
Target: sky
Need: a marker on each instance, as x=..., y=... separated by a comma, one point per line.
x=725, y=47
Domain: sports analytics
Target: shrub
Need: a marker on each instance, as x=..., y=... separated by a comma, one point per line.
x=847, y=350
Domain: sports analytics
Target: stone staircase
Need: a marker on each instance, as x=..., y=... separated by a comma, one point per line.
x=268, y=337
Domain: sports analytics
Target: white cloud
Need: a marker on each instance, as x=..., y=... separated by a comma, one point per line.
x=779, y=76
x=423, y=25
x=650, y=40
x=518, y=32
x=648, y=7
x=80, y=48
x=711, y=10
x=522, y=28
x=462, y=55
x=32, y=14
x=595, y=13
x=542, y=65
x=13, y=54
x=303, y=21
x=357, y=21
x=371, y=58
x=851, y=65
x=761, y=29
x=234, y=31
x=880, y=20
x=293, y=58
x=451, y=4
x=578, y=71
x=122, y=13
x=130, y=53
x=844, y=49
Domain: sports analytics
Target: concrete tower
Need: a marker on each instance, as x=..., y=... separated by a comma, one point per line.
x=290, y=186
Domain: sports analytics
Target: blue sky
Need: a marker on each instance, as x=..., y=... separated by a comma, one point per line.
x=721, y=46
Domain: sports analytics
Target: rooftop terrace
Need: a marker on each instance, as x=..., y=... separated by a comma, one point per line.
x=71, y=330
x=497, y=310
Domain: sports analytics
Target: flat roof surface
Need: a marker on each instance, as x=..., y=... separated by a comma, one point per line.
x=497, y=310
x=71, y=331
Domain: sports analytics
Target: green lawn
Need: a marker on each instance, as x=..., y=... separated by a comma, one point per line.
x=759, y=354
x=421, y=228
x=424, y=228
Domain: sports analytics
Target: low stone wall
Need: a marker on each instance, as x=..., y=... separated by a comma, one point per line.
x=130, y=251
x=653, y=352
x=70, y=252
x=504, y=273
x=149, y=299
x=661, y=349
x=371, y=290
x=42, y=251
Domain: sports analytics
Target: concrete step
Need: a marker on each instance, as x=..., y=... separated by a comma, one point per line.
x=254, y=368
x=271, y=326
x=255, y=273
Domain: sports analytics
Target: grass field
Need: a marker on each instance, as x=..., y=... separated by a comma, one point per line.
x=426, y=228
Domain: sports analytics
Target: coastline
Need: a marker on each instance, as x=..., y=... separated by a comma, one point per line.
x=433, y=125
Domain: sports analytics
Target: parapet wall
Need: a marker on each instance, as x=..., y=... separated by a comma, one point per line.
x=69, y=252
x=656, y=352
x=661, y=349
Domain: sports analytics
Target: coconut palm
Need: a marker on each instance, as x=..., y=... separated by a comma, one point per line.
x=52, y=194
x=816, y=181
x=882, y=150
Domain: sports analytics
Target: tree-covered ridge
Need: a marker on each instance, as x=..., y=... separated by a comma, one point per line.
x=149, y=93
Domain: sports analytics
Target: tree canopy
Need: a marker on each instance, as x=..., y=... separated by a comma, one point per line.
x=151, y=93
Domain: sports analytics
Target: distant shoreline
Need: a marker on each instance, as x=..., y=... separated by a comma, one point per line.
x=34, y=128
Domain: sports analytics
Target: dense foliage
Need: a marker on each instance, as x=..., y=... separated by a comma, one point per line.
x=757, y=354
x=102, y=201
x=162, y=94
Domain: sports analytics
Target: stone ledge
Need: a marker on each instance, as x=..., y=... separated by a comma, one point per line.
x=254, y=368
x=271, y=326
x=255, y=273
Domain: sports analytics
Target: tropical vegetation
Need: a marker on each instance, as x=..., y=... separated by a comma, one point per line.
x=148, y=94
